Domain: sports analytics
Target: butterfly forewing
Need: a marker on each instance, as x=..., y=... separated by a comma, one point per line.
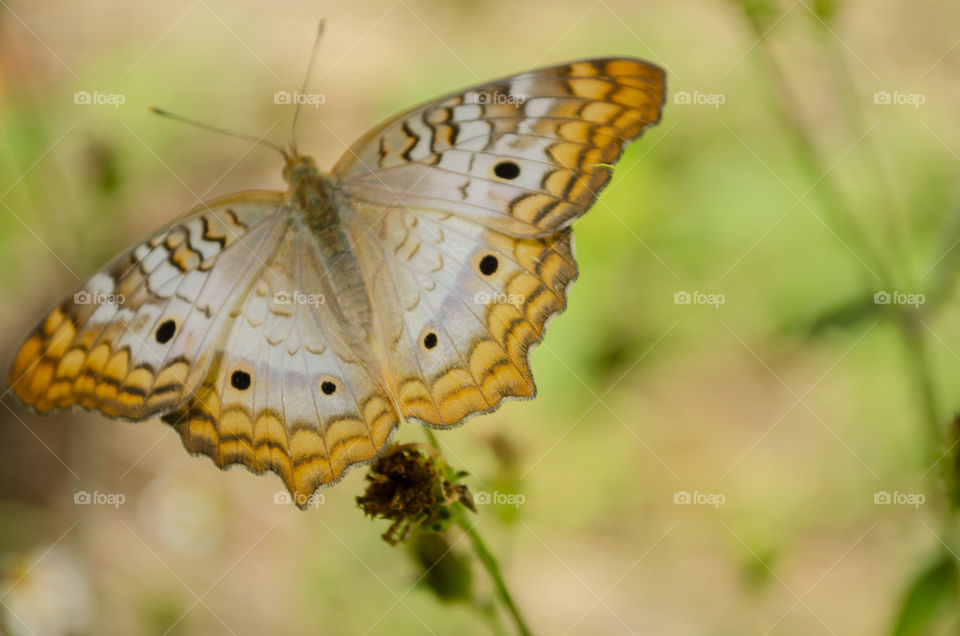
x=137, y=338
x=525, y=155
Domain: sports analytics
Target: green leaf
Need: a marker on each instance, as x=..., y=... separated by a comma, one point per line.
x=932, y=591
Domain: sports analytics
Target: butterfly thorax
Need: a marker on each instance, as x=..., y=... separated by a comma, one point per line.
x=310, y=190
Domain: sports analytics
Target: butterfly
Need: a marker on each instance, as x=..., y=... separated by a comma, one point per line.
x=293, y=331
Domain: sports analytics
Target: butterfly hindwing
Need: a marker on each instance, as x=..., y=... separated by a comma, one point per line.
x=464, y=304
x=294, y=388
x=525, y=155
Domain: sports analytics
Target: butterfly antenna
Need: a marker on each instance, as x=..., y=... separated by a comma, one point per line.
x=303, y=86
x=230, y=133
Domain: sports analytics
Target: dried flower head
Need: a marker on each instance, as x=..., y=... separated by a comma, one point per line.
x=412, y=486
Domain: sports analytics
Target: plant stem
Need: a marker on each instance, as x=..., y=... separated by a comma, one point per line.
x=847, y=226
x=493, y=569
x=910, y=330
x=832, y=202
x=916, y=348
x=488, y=611
x=486, y=557
x=432, y=438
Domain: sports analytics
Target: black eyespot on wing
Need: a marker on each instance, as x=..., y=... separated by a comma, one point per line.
x=328, y=387
x=430, y=340
x=165, y=331
x=240, y=380
x=507, y=170
x=489, y=264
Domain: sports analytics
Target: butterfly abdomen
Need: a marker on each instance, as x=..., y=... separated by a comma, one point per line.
x=326, y=250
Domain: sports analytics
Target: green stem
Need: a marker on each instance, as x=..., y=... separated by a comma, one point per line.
x=432, y=438
x=493, y=569
x=897, y=229
x=914, y=340
x=486, y=557
x=910, y=331
x=846, y=223
x=488, y=611
x=916, y=347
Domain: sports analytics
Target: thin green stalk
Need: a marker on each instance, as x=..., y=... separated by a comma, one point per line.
x=916, y=348
x=493, y=569
x=897, y=228
x=847, y=226
x=488, y=611
x=486, y=557
x=845, y=222
x=432, y=438
x=913, y=338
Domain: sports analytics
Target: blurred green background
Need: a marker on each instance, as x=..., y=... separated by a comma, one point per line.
x=780, y=178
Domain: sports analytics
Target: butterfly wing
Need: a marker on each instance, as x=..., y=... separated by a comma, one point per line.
x=203, y=324
x=295, y=387
x=460, y=305
x=524, y=155
x=462, y=210
x=137, y=338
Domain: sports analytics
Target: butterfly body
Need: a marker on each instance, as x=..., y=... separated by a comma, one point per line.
x=293, y=331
